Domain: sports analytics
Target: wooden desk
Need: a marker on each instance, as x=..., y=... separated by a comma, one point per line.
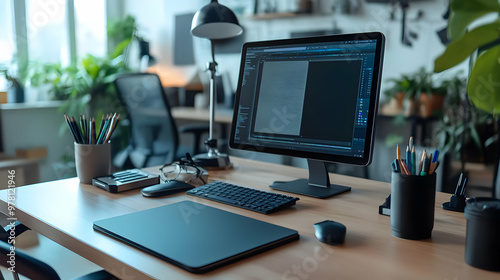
x=65, y=210
x=222, y=115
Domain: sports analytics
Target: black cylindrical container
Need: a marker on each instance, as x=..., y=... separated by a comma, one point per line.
x=482, y=241
x=412, y=205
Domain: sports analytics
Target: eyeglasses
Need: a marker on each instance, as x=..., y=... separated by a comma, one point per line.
x=186, y=171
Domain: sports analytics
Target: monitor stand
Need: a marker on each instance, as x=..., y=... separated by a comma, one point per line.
x=318, y=184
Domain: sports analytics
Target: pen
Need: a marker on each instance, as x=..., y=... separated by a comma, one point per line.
x=413, y=161
x=393, y=166
x=425, y=166
x=398, y=157
x=408, y=158
x=436, y=155
x=410, y=143
x=396, y=165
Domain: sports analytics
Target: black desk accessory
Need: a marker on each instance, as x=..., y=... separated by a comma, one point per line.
x=167, y=188
x=196, y=237
x=457, y=200
x=125, y=180
x=385, y=208
x=330, y=232
x=243, y=197
x=482, y=245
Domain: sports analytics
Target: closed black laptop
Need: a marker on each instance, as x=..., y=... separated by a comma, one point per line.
x=195, y=237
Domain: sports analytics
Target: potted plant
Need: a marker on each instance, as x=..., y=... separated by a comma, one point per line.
x=423, y=98
x=15, y=92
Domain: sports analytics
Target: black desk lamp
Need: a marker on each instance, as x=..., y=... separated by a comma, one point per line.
x=214, y=21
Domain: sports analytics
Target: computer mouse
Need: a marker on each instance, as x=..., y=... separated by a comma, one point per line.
x=167, y=188
x=330, y=232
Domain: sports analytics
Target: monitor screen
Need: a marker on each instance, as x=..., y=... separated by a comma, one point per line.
x=314, y=97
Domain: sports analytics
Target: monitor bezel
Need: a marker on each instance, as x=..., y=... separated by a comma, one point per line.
x=373, y=106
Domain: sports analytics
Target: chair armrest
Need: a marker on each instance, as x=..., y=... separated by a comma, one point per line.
x=16, y=227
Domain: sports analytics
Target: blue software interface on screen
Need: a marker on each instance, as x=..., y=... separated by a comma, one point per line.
x=310, y=97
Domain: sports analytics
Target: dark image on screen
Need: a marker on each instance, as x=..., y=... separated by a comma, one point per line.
x=330, y=103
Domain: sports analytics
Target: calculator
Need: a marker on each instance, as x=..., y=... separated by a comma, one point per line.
x=126, y=180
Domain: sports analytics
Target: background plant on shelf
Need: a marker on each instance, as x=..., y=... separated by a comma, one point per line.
x=415, y=92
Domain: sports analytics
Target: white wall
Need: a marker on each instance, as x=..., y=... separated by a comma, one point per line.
x=155, y=18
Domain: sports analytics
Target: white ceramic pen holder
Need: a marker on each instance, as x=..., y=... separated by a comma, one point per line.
x=92, y=161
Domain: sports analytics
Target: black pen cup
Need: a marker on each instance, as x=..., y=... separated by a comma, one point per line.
x=482, y=240
x=412, y=205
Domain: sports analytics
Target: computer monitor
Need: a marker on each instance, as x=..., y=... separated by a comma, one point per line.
x=314, y=98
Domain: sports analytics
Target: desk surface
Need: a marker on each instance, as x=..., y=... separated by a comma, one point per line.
x=65, y=210
x=222, y=115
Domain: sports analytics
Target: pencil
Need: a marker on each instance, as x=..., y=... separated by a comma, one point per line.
x=71, y=128
x=104, y=130
x=421, y=163
x=115, y=120
x=77, y=129
x=408, y=158
x=92, y=139
x=404, y=168
x=101, y=125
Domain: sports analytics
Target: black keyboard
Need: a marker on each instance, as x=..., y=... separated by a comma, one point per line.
x=243, y=197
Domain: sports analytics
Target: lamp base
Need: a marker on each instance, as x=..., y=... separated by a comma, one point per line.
x=213, y=161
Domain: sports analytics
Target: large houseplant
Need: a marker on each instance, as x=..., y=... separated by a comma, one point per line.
x=474, y=31
x=480, y=40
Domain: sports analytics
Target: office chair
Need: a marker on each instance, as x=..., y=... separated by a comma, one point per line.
x=30, y=267
x=154, y=136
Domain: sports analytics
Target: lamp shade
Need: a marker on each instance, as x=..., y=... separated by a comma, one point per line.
x=215, y=21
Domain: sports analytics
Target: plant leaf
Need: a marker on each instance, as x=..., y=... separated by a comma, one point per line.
x=120, y=49
x=458, y=50
x=484, y=81
x=464, y=12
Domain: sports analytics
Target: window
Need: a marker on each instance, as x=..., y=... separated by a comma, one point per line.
x=6, y=32
x=6, y=38
x=46, y=29
x=90, y=17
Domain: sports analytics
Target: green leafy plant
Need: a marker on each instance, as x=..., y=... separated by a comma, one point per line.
x=419, y=91
x=14, y=81
x=120, y=34
x=467, y=41
x=465, y=132
x=414, y=84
